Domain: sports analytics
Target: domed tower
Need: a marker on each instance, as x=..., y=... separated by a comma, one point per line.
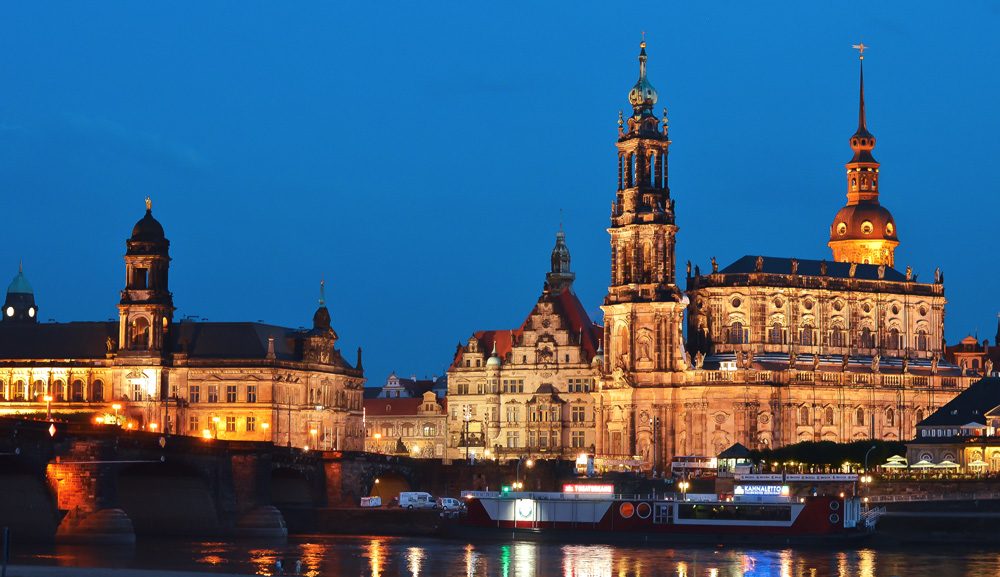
x=643, y=309
x=560, y=276
x=863, y=231
x=20, y=304
x=147, y=307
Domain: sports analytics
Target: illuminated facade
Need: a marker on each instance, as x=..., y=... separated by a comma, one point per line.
x=407, y=411
x=236, y=381
x=529, y=391
x=780, y=350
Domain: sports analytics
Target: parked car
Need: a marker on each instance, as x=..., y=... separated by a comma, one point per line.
x=449, y=504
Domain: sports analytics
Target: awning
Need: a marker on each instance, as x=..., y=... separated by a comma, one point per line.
x=922, y=464
x=897, y=459
x=894, y=465
x=948, y=465
x=979, y=463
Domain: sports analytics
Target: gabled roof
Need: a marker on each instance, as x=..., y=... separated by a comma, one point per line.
x=970, y=406
x=568, y=305
x=402, y=407
x=808, y=267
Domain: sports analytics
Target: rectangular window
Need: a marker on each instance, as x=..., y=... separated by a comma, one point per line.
x=543, y=440
x=512, y=414
x=251, y=393
x=230, y=424
x=579, y=414
x=577, y=439
x=513, y=439
x=230, y=393
x=193, y=424
x=429, y=431
x=194, y=394
x=213, y=393
x=532, y=439
x=251, y=424
x=136, y=391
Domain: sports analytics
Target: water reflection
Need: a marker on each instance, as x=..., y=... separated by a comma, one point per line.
x=416, y=557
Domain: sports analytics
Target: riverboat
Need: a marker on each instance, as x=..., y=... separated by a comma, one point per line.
x=679, y=518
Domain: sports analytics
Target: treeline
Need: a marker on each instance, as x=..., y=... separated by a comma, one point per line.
x=831, y=455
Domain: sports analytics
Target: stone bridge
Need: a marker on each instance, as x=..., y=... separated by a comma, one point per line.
x=85, y=483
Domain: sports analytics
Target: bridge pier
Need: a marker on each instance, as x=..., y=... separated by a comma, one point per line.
x=87, y=493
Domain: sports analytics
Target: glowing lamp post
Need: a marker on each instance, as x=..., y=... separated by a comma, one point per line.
x=378, y=437
x=152, y=427
x=48, y=408
x=215, y=426
x=264, y=427
x=313, y=433
x=117, y=408
x=517, y=472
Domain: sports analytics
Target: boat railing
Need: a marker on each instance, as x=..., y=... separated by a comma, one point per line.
x=559, y=496
x=871, y=515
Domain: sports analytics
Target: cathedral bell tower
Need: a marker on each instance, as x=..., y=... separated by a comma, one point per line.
x=863, y=232
x=643, y=310
x=146, y=309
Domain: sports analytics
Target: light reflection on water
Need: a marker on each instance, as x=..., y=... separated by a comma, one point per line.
x=421, y=557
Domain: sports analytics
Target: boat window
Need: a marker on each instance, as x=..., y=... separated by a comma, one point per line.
x=735, y=512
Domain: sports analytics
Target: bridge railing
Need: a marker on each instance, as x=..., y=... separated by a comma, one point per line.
x=958, y=496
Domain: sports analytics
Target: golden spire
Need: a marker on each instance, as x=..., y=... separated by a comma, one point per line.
x=642, y=44
x=861, y=49
x=149, y=204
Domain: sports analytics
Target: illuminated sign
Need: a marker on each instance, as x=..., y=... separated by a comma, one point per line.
x=762, y=490
x=588, y=488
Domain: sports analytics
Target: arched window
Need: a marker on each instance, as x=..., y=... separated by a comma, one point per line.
x=776, y=334
x=921, y=340
x=836, y=337
x=98, y=391
x=995, y=461
x=59, y=390
x=829, y=415
x=76, y=392
x=140, y=333
x=38, y=390
x=804, y=416
x=893, y=339
x=865, y=340
x=806, y=336
x=19, y=392
x=859, y=417
x=737, y=334
x=854, y=184
x=890, y=417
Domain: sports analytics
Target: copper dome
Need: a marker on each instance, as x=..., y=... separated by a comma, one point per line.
x=148, y=229
x=864, y=221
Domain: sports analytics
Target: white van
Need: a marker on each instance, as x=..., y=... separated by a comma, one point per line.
x=417, y=500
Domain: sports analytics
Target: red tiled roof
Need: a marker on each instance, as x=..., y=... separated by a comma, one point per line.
x=392, y=407
x=571, y=309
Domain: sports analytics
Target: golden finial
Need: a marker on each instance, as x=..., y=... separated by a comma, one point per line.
x=643, y=43
x=621, y=119
x=149, y=204
x=861, y=49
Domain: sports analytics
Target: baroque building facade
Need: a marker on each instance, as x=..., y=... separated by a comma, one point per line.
x=529, y=391
x=236, y=381
x=782, y=350
x=407, y=416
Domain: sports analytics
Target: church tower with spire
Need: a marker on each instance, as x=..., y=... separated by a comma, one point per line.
x=643, y=311
x=863, y=232
x=560, y=276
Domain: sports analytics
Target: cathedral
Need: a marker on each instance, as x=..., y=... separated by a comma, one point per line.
x=779, y=350
x=234, y=381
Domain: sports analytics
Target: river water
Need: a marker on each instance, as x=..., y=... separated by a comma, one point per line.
x=414, y=557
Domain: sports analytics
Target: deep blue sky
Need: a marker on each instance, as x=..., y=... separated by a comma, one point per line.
x=418, y=156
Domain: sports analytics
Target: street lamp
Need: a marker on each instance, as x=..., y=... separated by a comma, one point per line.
x=313, y=433
x=152, y=427
x=116, y=407
x=517, y=472
x=264, y=426
x=378, y=437
x=865, y=479
x=684, y=487
x=215, y=425
x=48, y=408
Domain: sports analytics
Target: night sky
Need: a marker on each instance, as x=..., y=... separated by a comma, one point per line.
x=417, y=157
